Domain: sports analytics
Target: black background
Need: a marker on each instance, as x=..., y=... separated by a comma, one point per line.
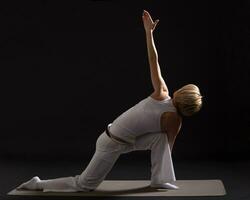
x=70, y=68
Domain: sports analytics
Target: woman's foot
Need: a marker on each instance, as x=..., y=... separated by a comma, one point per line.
x=164, y=186
x=31, y=184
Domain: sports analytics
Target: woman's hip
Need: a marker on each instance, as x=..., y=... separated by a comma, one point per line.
x=105, y=143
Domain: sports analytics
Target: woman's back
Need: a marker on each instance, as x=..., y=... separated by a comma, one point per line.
x=142, y=118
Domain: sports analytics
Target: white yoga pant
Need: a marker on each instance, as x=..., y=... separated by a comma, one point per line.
x=106, y=154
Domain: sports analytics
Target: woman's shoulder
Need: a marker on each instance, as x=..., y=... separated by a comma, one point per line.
x=160, y=96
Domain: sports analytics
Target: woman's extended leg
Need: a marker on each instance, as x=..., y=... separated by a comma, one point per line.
x=63, y=184
x=106, y=154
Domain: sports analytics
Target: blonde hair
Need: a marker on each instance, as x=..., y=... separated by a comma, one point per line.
x=188, y=100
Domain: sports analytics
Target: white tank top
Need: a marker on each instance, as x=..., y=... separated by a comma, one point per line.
x=142, y=118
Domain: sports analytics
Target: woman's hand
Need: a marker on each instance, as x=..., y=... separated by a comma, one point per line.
x=148, y=23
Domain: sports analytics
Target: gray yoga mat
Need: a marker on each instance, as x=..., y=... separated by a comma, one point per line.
x=140, y=188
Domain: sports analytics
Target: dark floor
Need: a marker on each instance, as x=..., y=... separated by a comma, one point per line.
x=234, y=174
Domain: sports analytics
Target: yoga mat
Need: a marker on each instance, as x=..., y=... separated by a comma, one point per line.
x=140, y=188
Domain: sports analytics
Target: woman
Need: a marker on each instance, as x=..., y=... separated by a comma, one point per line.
x=152, y=124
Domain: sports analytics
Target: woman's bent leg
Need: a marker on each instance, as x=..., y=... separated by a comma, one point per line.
x=97, y=169
x=106, y=154
x=161, y=160
x=64, y=184
x=162, y=170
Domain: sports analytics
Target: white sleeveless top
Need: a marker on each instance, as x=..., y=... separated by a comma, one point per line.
x=142, y=118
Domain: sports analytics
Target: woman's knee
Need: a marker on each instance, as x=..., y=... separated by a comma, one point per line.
x=81, y=186
x=159, y=139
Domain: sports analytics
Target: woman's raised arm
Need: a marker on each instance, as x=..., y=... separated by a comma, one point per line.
x=155, y=71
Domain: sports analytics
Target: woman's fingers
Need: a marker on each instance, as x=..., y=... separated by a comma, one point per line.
x=156, y=21
x=148, y=22
x=146, y=13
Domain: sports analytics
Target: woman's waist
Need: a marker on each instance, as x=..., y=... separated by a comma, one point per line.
x=120, y=133
x=131, y=132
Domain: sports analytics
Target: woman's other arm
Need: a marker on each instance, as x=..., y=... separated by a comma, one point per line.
x=173, y=126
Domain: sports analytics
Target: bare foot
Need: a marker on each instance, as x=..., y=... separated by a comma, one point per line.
x=31, y=184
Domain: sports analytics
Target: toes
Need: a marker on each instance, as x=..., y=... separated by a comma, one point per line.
x=31, y=184
x=21, y=186
x=171, y=186
x=164, y=186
